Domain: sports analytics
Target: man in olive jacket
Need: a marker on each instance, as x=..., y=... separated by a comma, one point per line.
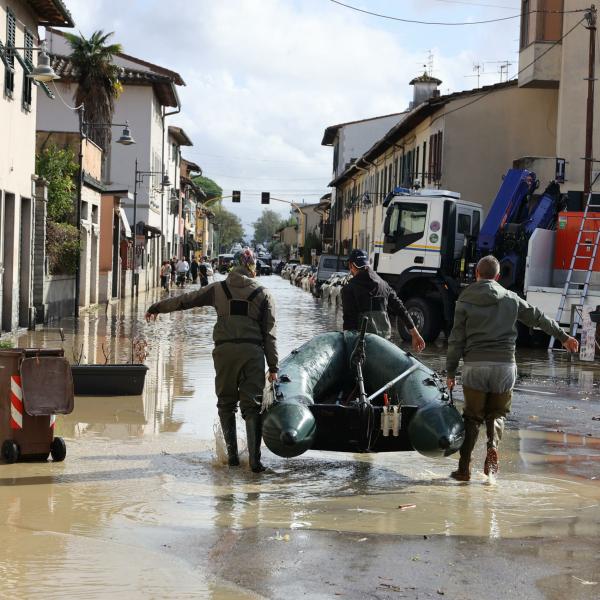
x=244, y=335
x=484, y=336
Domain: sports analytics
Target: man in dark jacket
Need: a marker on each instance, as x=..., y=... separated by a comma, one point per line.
x=194, y=269
x=244, y=336
x=367, y=295
x=484, y=336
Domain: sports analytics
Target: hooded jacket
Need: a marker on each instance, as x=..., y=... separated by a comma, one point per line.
x=358, y=295
x=485, y=325
x=257, y=327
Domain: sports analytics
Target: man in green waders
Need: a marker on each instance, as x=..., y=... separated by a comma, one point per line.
x=484, y=335
x=244, y=335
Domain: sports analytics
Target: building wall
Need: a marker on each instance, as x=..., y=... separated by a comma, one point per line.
x=17, y=168
x=17, y=125
x=354, y=139
x=481, y=142
x=572, y=99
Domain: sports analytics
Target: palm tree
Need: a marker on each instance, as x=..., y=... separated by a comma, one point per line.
x=98, y=81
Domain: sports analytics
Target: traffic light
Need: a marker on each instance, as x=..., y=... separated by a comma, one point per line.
x=265, y=198
x=236, y=196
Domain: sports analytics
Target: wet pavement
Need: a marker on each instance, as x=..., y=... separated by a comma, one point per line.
x=143, y=506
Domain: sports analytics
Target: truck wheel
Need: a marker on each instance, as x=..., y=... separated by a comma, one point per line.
x=58, y=449
x=10, y=451
x=426, y=317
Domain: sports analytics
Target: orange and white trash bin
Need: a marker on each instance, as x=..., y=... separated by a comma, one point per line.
x=35, y=385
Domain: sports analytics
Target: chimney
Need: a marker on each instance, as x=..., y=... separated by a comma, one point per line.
x=425, y=88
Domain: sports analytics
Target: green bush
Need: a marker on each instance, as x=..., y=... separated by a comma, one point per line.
x=62, y=248
x=58, y=167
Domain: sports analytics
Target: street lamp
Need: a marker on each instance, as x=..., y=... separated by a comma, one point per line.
x=139, y=178
x=43, y=72
x=125, y=140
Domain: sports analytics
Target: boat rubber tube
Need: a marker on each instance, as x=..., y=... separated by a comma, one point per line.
x=320, y=370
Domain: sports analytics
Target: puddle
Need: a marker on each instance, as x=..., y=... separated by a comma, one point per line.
x=142, y=473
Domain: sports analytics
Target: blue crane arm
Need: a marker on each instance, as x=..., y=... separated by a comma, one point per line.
x=516, y=185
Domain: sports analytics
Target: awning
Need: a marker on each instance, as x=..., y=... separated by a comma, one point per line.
x=125, y=222
x=153, y=231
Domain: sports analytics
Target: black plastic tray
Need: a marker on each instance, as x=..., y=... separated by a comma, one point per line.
x=109, y=380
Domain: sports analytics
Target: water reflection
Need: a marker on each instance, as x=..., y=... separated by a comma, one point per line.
x=141, y=470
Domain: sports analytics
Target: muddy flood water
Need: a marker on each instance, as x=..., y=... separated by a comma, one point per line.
x=143, y=506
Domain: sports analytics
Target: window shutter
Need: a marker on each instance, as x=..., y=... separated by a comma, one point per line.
x=11, y=37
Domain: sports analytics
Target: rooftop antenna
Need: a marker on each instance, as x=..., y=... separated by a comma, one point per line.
x=478, y=69
x=430, y=63
x=504, y=66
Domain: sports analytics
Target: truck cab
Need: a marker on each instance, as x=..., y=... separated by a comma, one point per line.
x=427, y=241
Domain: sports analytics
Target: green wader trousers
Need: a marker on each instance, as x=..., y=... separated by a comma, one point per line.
x=483, y=407
x=240, y=377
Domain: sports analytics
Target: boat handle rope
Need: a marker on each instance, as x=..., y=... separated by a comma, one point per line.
x=389, y=384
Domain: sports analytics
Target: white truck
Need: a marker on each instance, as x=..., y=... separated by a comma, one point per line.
x=431, y=240
x=424, y=241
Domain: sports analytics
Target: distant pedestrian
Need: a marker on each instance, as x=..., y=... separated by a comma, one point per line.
x=367, y=295
x=165, y=275
x=173, y=264
x=244, y=337
x=484, y=336
x=203, y=272
x=182, y=269
x=194, y=270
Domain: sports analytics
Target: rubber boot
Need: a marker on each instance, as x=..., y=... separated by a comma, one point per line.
x=230, y=436
x=463, y=473
x=494, y=429
x=254, y=436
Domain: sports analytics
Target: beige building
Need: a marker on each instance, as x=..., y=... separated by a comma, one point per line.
x=462, y=142
x=554, y=54
x=21, y=241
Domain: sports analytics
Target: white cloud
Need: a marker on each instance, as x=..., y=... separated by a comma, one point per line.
x=265, y=77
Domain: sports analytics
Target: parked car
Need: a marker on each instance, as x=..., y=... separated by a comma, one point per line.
x=328, y=265
x=225, y=263
x=305, y=282
x=298, y=274
x=288, y=269
x=335, y=294
x=328, y=286
x=263, y=267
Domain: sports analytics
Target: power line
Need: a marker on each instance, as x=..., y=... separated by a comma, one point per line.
x=485, y=94
x=481, y=4
x=446, y=23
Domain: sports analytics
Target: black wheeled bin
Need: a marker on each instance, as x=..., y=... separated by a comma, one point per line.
x=35, y=385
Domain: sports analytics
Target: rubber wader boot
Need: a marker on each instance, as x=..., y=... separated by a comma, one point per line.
x=494, y=428
x=463, y=473
x=230, y=436
x=254, y=435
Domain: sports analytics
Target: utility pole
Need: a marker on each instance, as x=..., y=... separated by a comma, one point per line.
x=590, y=16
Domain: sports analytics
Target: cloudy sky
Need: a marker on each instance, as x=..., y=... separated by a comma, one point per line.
x=266, y=77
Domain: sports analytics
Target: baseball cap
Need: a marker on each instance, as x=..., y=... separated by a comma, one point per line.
x=358, y=258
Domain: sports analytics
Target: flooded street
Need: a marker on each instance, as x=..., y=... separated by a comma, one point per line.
x=143, y=506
